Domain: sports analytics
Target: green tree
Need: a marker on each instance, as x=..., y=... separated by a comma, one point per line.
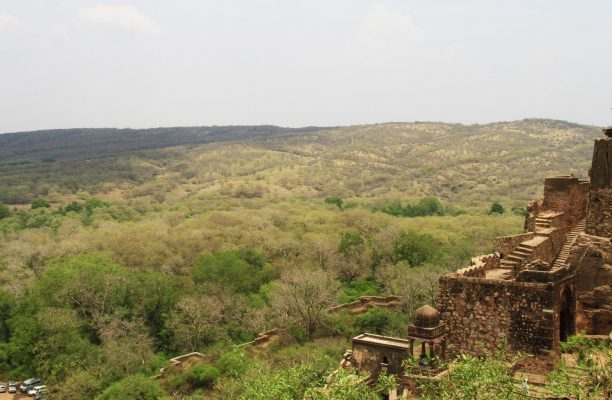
x=429, y=206
x=284, y=384
x=93, y=203
x=242, y=271
x=355, y=256
x=348, y=385
x=334, y=200
x=74, y=207
x=4, y=211
x=474, y=378
x=40, y=203
x=93, y=285
x=302, y=297
x=62, y=346
x=350, y=242
x=415, y=248
x=135, y=387
x=6, y=308
x=496, y=208
x=202, y=375
x=159, y=296
x=375, y=320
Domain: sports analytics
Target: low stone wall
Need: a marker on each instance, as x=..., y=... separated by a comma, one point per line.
x=366, y=302
x=543, y=276
x=181, y=363
x=480, y=265
x=487, y=312
x=505, y=245
x=264, y=337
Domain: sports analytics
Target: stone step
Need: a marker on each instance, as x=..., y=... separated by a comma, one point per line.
x=516, y=259
x=570, y=238
x=530, y=244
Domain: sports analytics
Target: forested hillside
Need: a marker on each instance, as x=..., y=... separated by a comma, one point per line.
x=464, y=165
x=121, y=249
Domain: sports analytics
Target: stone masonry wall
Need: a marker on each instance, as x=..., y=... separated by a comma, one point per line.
x=488, y=312
x=568, y=195
x=504, y=245
x=479, y=266
x=369, y=357
x=591, y=258
x=547, y=250
x=601, y=168
x=599, y=215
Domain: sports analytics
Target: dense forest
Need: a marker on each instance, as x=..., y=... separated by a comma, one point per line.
x=121, y=249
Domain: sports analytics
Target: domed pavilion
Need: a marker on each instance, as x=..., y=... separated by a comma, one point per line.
x=427, y=328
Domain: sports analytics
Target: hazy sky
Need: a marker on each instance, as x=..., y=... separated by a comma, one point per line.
x=153, y=63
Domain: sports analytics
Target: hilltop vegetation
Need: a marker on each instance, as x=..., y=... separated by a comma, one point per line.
x=118, y=254
x=460, y=164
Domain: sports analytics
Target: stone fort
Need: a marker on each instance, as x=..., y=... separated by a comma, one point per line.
x=535, y=290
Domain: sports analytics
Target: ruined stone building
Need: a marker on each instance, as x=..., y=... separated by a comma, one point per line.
x=539, y=287
x=551, y=281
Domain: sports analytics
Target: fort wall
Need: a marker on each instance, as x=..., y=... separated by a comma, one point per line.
x=488, y=313
x=504, y=245
x=591, y=257
x=599, y=214
x=566, y=194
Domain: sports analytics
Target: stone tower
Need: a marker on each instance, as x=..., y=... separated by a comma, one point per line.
x=599, y=211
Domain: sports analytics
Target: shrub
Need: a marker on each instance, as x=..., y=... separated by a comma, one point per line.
x=74, y=207
x=233, y=363
x=202, y=375
x=40, y=203
x=496, y=208
x=348, y=242
x=334, y=200
x=136, y=387
x=375, y=320
x=243, y=271
x=4, y=211
x=415, y=248
x=427, y=206
x=351, y=291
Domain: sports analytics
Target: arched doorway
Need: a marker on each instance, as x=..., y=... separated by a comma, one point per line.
x=567, y=314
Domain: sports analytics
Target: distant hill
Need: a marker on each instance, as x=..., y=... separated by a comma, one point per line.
x=74, y=144
x=466, y=165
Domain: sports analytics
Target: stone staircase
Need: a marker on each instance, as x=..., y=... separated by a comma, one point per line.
x=519, y=256
x=570, y=238
x=543, y=222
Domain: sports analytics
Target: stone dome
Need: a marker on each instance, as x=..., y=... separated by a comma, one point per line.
x=426, y=317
